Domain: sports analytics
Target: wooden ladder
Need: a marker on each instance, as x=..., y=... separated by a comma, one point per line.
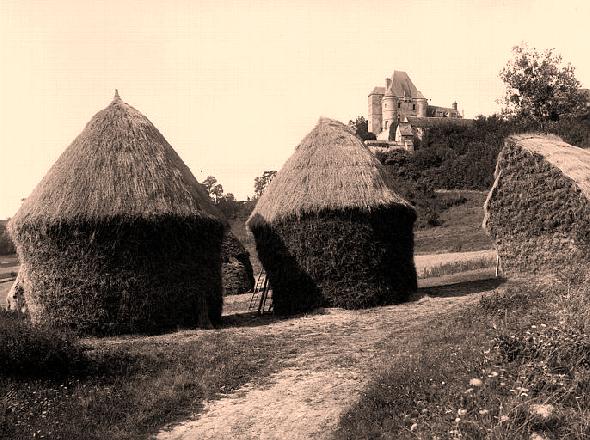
x=261, y=299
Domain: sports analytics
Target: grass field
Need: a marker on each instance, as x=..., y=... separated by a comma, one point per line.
x=470, y=356
x=460, y=230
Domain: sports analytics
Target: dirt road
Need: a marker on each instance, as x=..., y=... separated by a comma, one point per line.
x=335, y=354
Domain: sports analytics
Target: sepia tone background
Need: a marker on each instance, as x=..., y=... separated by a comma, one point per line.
x=234, y=85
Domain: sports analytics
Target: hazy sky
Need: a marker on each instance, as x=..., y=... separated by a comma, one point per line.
x=234, y=85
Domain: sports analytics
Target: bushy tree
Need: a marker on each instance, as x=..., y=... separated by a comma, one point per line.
x=260, y=183
x=214, y=189
x=361, y=126
x=540, y=87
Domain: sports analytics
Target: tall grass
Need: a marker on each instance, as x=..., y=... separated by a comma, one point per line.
x=457, y=267
x=515, y=365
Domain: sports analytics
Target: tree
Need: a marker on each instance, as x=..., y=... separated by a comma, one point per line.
x=209, y=183
x=260, y=183
x=540, y=87
x=214, y=189
x=361, y=127
x=216, y=193
x=228, y=205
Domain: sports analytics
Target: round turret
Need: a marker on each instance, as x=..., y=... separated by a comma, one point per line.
x=389, y=104
x=421, y=107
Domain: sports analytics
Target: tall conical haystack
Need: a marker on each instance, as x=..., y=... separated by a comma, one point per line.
x=119, y=236
x=330, y=232
x=538, y=210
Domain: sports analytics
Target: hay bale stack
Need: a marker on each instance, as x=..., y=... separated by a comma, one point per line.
x=330, y=232
x=538, y=210
x=119, y=236
x=236, y=269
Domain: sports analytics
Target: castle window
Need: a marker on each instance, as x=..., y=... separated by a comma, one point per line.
x=413, y=106
x=399, y=105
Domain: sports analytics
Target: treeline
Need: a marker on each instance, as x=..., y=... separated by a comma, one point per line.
x=464, y=157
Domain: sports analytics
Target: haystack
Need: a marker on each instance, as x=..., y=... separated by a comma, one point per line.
x=119, y=236
x=330, y=232
x=538, y=210
x=236, y=269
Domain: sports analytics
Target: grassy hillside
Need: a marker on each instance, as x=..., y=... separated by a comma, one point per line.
x=460, y=226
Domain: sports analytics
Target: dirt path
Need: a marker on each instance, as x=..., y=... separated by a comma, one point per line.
x=336, y=353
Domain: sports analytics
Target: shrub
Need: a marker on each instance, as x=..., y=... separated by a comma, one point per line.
x=29, y=351
x=6, y=244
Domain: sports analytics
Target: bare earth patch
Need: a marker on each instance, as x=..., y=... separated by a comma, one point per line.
x=334, y=355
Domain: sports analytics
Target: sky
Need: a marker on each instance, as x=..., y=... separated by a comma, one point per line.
x=235, y=85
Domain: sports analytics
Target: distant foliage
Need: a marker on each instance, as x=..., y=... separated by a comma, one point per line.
x=464, y=157
x=540, y=87
x=6, y=244
x=214, y=189
x=260, y=183
x=361, y=126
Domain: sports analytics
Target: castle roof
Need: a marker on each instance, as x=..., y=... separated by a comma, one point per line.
x=402, y=86
x=378, y=91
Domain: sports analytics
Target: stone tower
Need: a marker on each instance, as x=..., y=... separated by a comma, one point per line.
x=422, y=107
x=375, y=115
x=389, y=104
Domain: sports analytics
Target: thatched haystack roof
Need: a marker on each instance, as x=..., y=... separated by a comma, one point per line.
x=331, y=169
x=119, y=166
x=574, y=162
x=538, y=210
x=330, y=232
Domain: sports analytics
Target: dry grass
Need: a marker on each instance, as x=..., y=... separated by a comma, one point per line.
x=120, y=165
x=331, y=169
x=573, y=162
x=119, y=235
x=460, y=266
